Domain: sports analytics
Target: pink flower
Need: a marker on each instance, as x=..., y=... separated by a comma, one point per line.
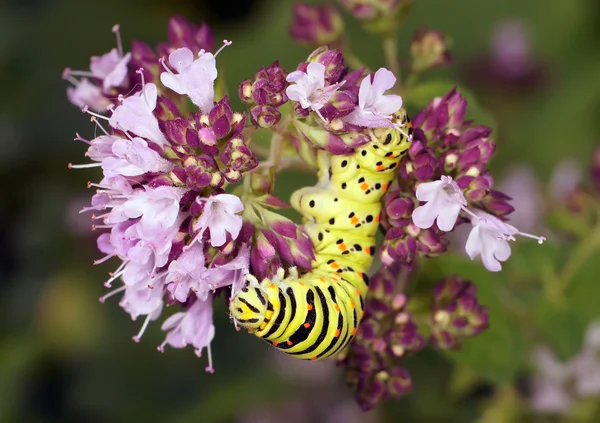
x=111, y=68
x=141, y=300
x=132, y=157
x=220, y=217
x=374, y=109
x=309, y=87
x=194, y=326
x=87, y=94
x=443, y=202
x=187, y=273
x=194, y=78
x=135, y=115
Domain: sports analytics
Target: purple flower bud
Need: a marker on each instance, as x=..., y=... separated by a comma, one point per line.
x=200, y=170
x=160, y=181
x=220, y=118
x=371, y=391
x=456, y=313
x=429, y=49
x=457, y=108
x=497, y=203
x=425, y=165
x=245, y=91
x=182, y=33
x=397, y=247
x=317, y=25
x=165, y=109
x=264, y=116
x=207, y=140
x=475, y=189
x=321, y=138
x=431, y=243
x=382, y=284
x=302, y=251
x=399, y=382
x=398, y=210
x=340, y=104
x=333, y=60
x=237, y=156
x=144, y=57
x=176, y=130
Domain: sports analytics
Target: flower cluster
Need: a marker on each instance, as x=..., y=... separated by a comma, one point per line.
x=386, y=333
x=334, y=108
x=445, y=170
x=276, y=240
x=456, y=313
x=389, y=331
x=265, y=95
x=176, y=232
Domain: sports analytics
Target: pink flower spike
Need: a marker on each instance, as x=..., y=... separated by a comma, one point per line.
x=374, y=109
x=194, y=78
x=444, y=201
x=489, y=238
x=309, y=87
x=220, y=215
x=135, y=115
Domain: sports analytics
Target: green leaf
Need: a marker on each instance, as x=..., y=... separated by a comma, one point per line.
x=562, y=327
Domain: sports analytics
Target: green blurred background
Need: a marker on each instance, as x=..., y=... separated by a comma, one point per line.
x=64, y=357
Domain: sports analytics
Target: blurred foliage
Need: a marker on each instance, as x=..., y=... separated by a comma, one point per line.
x=66, y=358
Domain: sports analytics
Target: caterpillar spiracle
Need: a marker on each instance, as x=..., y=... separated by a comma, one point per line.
x=316, y=314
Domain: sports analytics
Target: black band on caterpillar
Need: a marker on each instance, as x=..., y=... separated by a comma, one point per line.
x=316, y=314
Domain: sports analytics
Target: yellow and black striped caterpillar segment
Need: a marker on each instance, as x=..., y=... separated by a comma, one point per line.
x=315, y=315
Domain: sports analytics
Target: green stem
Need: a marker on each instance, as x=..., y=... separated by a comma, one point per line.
x=390, y=50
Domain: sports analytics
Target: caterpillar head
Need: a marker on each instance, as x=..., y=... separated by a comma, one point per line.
x=249, y=307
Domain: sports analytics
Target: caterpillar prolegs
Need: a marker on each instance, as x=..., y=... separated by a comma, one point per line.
x=315, y=315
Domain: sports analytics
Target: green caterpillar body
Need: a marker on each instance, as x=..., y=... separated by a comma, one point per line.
x=316, y=314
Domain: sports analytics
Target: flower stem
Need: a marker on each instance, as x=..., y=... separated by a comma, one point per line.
x=390, y=50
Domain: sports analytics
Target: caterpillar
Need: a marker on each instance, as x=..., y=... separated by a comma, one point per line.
x=316, y=314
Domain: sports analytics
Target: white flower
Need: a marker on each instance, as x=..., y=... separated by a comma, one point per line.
x=309, y=87
x=374, y=109
x=220, y=216
x=194, y=78
x=443, y=199
x=489, y=238
x=135, y=115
